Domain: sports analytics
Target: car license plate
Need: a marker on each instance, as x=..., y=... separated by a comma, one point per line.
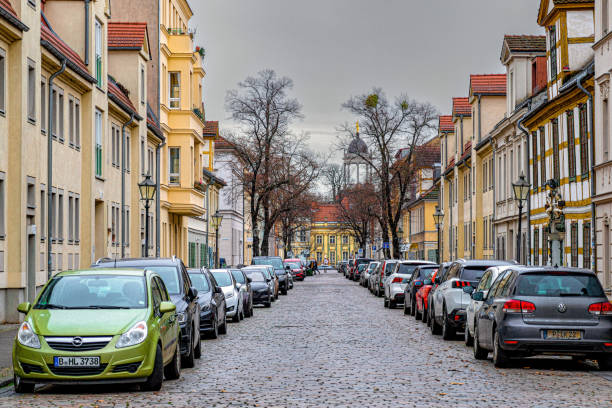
x=76, y=361
x=563, y=334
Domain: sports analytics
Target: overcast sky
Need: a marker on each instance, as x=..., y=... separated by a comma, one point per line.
x=333, y=49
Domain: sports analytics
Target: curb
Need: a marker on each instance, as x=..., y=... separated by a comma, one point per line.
x=4, y=383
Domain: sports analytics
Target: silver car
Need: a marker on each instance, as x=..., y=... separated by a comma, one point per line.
x=364, y=279
x=233, y=298
x=386, y=268
x=395, y=282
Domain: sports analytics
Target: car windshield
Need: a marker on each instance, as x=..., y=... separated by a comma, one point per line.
x=292, y=265
x=473, y=273
x=222, y=278
x=238, y=276
x=277, y=263
x=200, y=282
x=169, y=275
x=256, y=276
x=406, y=269
x=425, y=273
x=558, y=284
x=94, y=292
x=372, y=265
x=361, y=267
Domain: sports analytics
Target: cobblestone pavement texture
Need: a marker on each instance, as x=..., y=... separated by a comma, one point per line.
x=331, y=344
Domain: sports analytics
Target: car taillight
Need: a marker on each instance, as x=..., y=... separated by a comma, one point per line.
x=519, y=306
x=461, y=284
x=397, y=280
x=418, y=283
x=602, y=308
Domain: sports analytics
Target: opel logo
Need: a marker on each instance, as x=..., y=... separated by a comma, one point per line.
x=562, y=308
x=77, y=341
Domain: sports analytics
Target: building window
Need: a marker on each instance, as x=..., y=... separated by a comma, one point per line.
x=175, y=166
x=344, y=255
x=53, y=219
x=544, y=246
x=77, y=210
x=571, y=144
x=332, y=240
x=584, y=141
x=142, y=157
x=542, y=156
x=31, y=90
x=574, y=244
x=114, y=221
x=319, y=239
x=604, y=17
x=98, y=130
x=174, y=96
x=142, y=84
x=43, y=214
x=534, y=140
x=70, y=121
x=536, y=246
x=555, y=146
x=60, y=215
x=98, y=45
x=77, y=123
x=2, y=81
x=552, y=32
x=605, y=137
x=127, y=227
x=2, y=206
x=54, y=106
x=586, y=245
x=43, y=104
x=302, y=235
x=116, y=146
x=127, y=152
x=70, y=218
x=345, y=240
x=151, y=163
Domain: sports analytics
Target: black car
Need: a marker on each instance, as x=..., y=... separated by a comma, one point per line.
x=243, y=282
x=417, y=280
x=544, y=310
x=213, y=319
x=355, y=272
x=279, y=270
x=262, y=294
x=182, y=294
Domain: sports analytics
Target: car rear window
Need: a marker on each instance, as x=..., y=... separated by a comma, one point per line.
x=199, y=282
x=425, y=273
x=222, y=278
x=170, y=276
x=238, y=276
x=555, y=284
x=473, y=273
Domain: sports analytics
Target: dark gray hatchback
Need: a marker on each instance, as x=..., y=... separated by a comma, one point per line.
x=544, y=310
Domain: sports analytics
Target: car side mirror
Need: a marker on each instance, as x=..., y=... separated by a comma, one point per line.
x=428, y=282
x=268, y=280
x=24, y=307
x=193, y=292
x=249, y=279
x=287, y=268
x=468, y=289
x=238, y=285
x=218, y=289
x=437, y=281
x=478, y=296
x=166, y=307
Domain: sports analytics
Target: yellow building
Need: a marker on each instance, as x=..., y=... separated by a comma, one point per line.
x=330, y=240
x=446, y=133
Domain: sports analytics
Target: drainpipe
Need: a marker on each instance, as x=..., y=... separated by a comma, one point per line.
x=125, y=125
x=50, y=170
x=243, y=237
x=87, y=32
x=479, y=119
x=528, y=175
x=471, y=219
x=579, y=80
x=493, y=225
x=208, y=183
x=157, y=199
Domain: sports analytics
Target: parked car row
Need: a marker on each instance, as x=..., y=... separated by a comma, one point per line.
x=135, y=320
x=509, y=310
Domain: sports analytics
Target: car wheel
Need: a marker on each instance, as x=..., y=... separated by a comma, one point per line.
x=425, y=316
x=236, y=317
x=448, y=332
x=197, y=353
x=247, y=313
x=251, y=310
x=392, y=304
x=215, y=331
x=406, y=311
x=223, y=327
x=435, y=327
x=189, y=359
x=385, y=304
x=417, y=314
x=21, y=387
x=605, y=363
x=467, y=337
x=173, y=370
x=154, y=381
x=479, y=352
x=284, y=292
x=500, y=357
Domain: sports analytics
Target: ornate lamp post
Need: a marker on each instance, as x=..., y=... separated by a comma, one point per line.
x=147, y=192
x=216, y=222
x=438, y=218
x=521, y=191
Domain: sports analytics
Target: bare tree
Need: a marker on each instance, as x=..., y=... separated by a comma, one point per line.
x=387, y=127
x=264, y=111
x=334, y=178
x=359, y=208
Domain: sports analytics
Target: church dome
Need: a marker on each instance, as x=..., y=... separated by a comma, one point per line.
x=357, y=146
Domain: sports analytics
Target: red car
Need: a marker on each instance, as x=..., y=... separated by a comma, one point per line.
x=296, y=268
x=422, y=295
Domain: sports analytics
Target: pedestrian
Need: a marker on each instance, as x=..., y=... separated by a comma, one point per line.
x=316, y=267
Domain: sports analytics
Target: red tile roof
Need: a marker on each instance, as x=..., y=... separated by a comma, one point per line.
x=326, y=213
x=492, y=84
x=426, y=155
x=153, y=123
x=222, y=143
x=74, y=60
x=526, y=43
x=211, y=128
x=122, y=98
x=6, y=4
x=445, y=123
x=123, y=35
x=461, y=106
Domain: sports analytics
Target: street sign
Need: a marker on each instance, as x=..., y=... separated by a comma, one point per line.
x=386, y=245
x=360, y=251
x=373, y=247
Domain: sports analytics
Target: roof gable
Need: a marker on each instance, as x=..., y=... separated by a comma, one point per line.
x=445, y=123
x=525, y=45
x=491, y=84
x=128, y=36
x=461, y=106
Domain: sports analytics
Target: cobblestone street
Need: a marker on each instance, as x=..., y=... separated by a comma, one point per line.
x=330, y=343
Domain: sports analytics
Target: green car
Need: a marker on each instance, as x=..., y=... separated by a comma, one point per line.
x=98, y=326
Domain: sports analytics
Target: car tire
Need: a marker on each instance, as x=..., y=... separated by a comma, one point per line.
x=468, y=339
x=20, y=387
x=173, y=370
x=251, y=310
x=223, y=327
x=500, y=356
x=284, y=292
x=385, y=302
x=448, y=332
x=197, y=353
x=247, y=313
x=236, y=317
x=214, y=333
x=412, y=306
x=605, y=363
x=188, y=361
x=417, y=315
x=435, y=327
x=154, y=381
x=425, y=316
x=406, y=311
x=479, y=352
x=392, y=304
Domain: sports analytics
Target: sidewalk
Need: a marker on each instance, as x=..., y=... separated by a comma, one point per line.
x=7, y=334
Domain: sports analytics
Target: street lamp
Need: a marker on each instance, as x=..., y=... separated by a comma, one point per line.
x=521, y=191
x=216, y=222
x=438, y=218
x=400, y=235
x=147, y=192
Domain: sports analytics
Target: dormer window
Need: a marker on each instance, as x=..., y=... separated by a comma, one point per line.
x=552, y=37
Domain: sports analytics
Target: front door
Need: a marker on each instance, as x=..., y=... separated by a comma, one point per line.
x=31, y=259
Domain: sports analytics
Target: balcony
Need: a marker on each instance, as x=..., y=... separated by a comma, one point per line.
x=186, y=201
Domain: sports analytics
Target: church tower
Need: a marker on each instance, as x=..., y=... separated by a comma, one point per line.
x=357, y=159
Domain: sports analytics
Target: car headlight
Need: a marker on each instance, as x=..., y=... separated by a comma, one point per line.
x=136, y=335
x=205, y=307
x=182, y=317
x=27, y=337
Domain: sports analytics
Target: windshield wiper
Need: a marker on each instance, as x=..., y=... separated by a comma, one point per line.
x=103, y=307
x=52, y=306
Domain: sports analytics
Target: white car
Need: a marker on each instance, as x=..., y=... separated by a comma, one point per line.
x=450, y=301
x=233, y=298
x=365, y=276
x=483, y=286
x=395, y=283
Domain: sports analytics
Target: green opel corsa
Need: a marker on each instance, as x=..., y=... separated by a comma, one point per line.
x=96, y=327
